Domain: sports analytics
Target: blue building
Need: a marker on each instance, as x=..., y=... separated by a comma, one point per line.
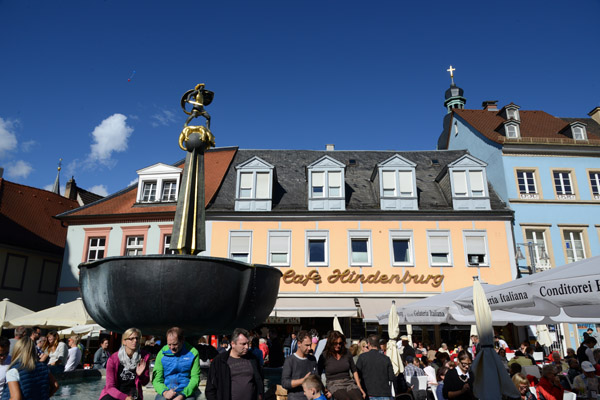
x=546, y=168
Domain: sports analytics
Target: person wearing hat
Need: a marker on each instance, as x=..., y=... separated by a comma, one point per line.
x=586, y=384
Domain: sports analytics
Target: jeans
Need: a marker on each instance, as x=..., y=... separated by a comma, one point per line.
x=380, y=398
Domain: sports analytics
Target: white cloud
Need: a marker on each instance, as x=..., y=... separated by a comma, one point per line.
x=19, y=169
x=28, y=145
x=163, y=118
x=109, y=137
x=8, y=140
x=133, y=182
x=99, y=189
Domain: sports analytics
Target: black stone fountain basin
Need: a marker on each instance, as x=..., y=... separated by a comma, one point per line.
x=199, y=294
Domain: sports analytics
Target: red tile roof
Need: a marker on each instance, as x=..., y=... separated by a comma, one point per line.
x=26, y=217
x=535, y=127
x=216, y=162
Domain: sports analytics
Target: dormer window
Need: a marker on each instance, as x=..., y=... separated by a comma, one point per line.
x=468, y=183
x=512, y=131
x=578, y=133
x=326, y=185
x=158, y=183
x=511, y=112
x=254, y=185
x=397, y=183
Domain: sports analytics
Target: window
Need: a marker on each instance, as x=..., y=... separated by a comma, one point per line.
x=540, y=249
x=360, y=248
x=563, y=185
x=476, y=248
x=526, y=182
x=254, y=185
x=578, y=133
x=397, y=183
x=326, y=184
x=468, y=183
x=595, y=184
x=158, y=182
x=279, y=248
x=317, y=251
x=169, y=192
x=512, y=131
x=455, y=129
x=574, y=247
x=149, y=193
x=14, y=272
x=96, y=248
x=401, y=248
x=240, y=245
x=167, y=245
x=511, y=114
x=135, y=246
x=49, y=277
x=439, y=248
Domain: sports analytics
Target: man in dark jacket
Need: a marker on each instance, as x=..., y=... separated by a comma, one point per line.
x=375, y=370
x=236, y=374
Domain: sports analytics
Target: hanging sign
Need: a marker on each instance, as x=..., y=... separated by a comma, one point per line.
x=350, y=276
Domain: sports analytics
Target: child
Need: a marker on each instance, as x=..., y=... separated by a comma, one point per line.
x=313, y=388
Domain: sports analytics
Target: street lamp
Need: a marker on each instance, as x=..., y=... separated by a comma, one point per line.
x=531, y=246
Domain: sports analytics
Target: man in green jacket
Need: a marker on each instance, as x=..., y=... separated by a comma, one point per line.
x=176, y=369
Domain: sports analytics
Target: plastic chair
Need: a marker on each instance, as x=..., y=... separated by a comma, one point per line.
x=538, y=356
x=569, y=396
x=510, y=356
x=433, y=390
x=419, y=384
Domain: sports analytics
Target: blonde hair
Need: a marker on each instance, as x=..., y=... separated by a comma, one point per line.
x=24, y=351
x=130, y=332
x=76, y=339
x=313, y=382
x=520, y=379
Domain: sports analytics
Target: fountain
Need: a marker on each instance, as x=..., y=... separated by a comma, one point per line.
x=200, y=294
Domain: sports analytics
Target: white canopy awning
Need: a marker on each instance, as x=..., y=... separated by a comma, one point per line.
x=305, y=307
x=371, y=307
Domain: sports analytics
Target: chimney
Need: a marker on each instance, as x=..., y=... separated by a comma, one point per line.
x=490, y=105
x=329, y=147
x=595, y=114
x=71, y=189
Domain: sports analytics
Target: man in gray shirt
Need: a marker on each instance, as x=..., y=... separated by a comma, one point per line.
x=375, y=371
x=298, y=367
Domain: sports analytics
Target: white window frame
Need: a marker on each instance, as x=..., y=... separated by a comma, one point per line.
x=362, y=235
x=570, y=241
x=327, y=186
x=402, y=235
x=146, y=194
x=537, y=237
x=241, y=235
x=254, y=185
x=486, y=255
x=314, y=236
x=559, y=187
x=167, y=245
x=439, y=234
x=271, y=250
x=159, y=174
x=469, y=183
x=594, y=177
x=171, y=195
x=527, y=181
x=398, y=187
x=512, y=131
x=135, y=248
x=578, y=131
x=512, y=113
x=96, y=248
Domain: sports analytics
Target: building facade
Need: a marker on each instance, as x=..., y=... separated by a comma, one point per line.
x=350, y=230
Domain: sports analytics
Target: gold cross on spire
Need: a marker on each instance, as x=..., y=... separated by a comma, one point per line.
x=451, y=70
x=59, y=163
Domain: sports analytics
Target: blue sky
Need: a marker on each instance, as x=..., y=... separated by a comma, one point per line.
x=286, y=74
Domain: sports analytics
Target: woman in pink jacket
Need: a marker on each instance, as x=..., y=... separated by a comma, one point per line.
x=127, y=370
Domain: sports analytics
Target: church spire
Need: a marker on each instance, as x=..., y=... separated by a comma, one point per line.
x=56, y=187
x=454, y=95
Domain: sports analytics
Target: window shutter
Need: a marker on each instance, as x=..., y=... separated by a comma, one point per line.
x=246, y=180
x=475, y=244
x=476, y=178
x=406, y=183
x=389, y=181
x=438, y=244
x=240, y=244
x=317, y=179
x=335, y=179
x=460, y=182
x=279, y=244
x=262, y=185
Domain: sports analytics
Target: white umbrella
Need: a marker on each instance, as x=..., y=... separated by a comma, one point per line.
x=409, y=333
x=92, y=330
x=63, y=315
x=567, y=293
x=336, y=325
x=443, y=308
x=393, y=332
x=491, y=379
x=543, y=335
x=10, y=310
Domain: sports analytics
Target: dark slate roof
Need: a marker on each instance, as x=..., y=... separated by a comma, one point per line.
x=592, y=127
x=291, y=186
